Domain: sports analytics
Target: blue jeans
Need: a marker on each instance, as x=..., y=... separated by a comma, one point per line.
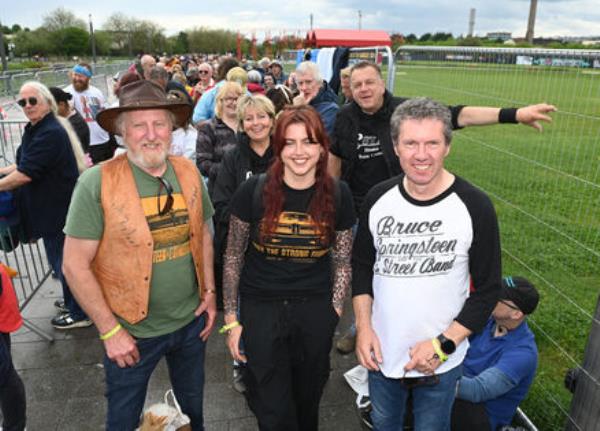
x=54, y=245
x=432, y=404
x=126, y=387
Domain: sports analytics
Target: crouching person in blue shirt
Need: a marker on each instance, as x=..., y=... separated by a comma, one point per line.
x=500, y=363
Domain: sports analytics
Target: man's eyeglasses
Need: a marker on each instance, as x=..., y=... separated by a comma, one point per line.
x=23, y=102
x=509, y=305
x=203, y=72
x=169, y=202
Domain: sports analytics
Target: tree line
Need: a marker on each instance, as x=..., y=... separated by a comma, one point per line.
x=64, y=34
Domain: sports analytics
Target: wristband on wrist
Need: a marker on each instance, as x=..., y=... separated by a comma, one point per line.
x=228, y=327
x=110, y=333
x=508, y=115
x=438, y=350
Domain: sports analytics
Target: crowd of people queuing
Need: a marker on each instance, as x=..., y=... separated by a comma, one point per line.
x=217, y=184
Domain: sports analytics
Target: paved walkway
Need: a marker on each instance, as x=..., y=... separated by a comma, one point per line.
x=64, y=380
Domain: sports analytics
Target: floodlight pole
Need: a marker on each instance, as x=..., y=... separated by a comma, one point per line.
x=93, y=42
x=359, y=20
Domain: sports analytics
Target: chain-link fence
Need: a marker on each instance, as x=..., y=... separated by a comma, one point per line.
x=545, y=186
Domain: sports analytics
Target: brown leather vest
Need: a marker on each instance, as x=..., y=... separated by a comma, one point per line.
x=123, y=263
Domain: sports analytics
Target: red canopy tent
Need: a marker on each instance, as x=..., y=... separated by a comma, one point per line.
x=349, y=38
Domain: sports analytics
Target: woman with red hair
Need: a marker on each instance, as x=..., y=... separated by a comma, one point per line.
x=288, y=258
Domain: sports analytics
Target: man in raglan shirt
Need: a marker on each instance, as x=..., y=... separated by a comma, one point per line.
x=88, y=101
x=424, y=237
x=362, y=153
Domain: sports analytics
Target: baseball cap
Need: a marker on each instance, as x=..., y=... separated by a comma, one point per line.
x=520, y=291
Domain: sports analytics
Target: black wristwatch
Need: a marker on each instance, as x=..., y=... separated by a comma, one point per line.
x=446, y=344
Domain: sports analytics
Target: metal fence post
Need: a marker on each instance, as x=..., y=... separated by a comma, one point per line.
x=585, y=405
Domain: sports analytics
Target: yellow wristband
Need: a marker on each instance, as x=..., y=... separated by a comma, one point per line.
x=110, y=333
x=438, y=350
x=229, y=327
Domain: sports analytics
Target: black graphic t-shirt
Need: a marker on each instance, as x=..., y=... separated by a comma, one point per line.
x=370, y=167
x=294, y=260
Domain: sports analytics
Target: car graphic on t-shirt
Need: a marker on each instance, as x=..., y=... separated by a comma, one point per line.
x=295, y=230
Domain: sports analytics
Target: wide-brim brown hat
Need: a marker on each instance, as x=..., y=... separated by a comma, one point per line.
x=141, y=95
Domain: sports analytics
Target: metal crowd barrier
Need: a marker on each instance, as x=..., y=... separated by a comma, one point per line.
x=29, y=259
x=10, y=82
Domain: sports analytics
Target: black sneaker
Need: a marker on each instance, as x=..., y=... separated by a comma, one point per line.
x=59, y=304
x=66, y=321
x=365, y=417
x=238, y=379
x=364, y=412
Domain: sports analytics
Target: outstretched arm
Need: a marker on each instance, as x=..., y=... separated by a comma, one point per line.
x=529, y=115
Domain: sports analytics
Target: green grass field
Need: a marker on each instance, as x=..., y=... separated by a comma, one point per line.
x=546, y=189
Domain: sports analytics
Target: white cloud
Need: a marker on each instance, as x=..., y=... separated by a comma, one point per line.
x=555, y=17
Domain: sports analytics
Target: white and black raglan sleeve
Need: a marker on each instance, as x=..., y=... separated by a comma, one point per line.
x=363, y=249
x=484, y=258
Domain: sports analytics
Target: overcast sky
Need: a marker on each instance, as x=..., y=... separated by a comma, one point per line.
x=554, y=17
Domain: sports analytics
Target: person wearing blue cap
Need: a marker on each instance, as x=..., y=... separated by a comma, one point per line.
x=88, y=101
x=501, y=362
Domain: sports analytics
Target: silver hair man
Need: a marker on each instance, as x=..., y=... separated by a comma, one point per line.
x=421, y=108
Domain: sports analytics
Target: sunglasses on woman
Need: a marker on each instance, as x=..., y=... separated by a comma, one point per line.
x=23, y=102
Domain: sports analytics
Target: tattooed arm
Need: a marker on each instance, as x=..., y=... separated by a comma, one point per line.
x=237, y=241
x=342, y=270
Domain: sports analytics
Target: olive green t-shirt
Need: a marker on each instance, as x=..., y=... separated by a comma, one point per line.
x=174, y=287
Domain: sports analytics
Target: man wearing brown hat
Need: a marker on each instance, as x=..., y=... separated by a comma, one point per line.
x=138, y=255
x=500, y=363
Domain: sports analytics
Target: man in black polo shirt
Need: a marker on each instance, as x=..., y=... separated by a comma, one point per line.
x=362, y=152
